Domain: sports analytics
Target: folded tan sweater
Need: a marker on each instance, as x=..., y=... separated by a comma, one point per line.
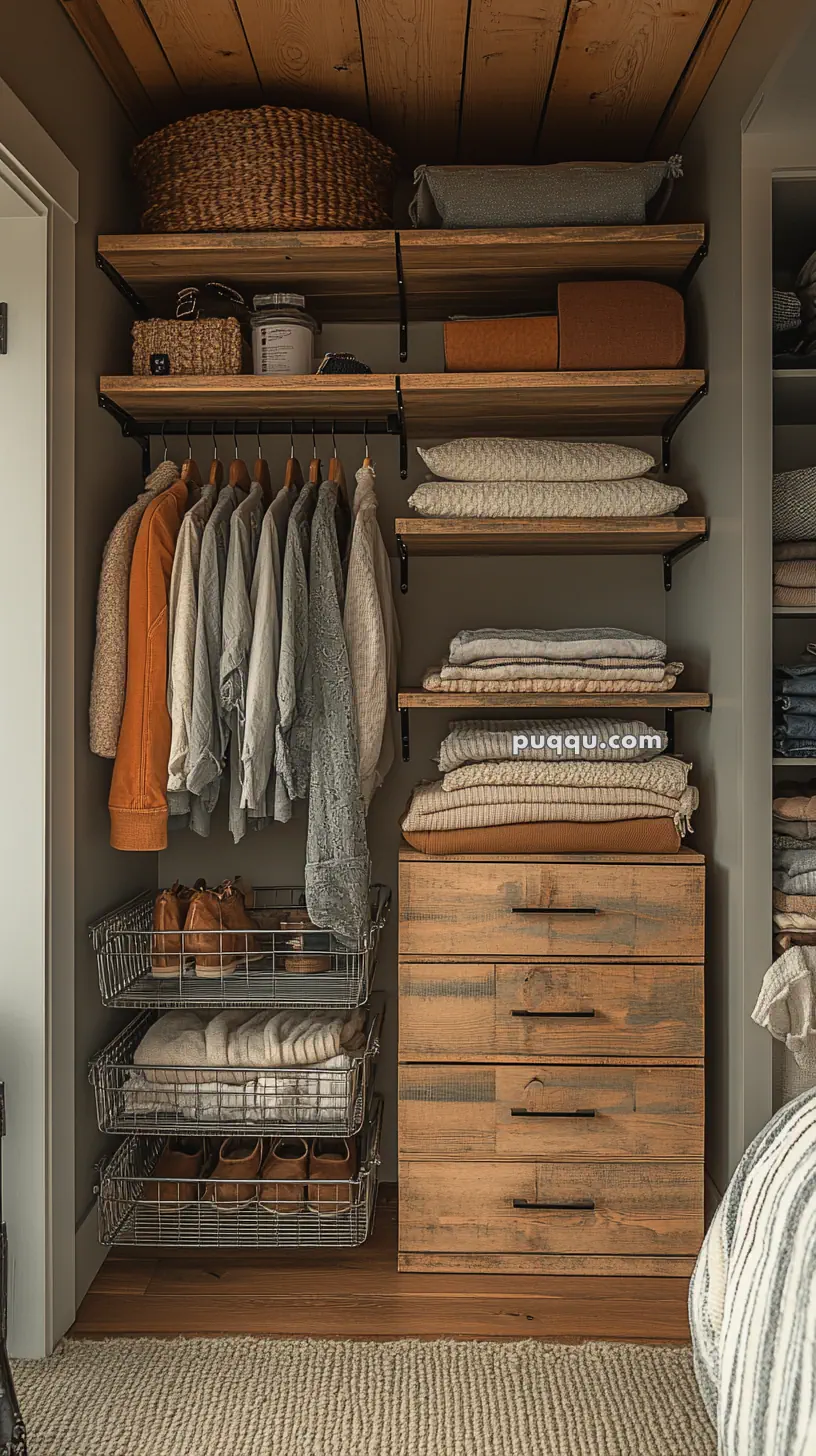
x=431, y=808
x=433, y=682
x=795, y=573
x=666, y=774
x=544, y=667
x=794, y=596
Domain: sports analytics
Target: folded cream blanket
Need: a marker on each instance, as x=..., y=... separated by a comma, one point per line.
x=485, y=740
x=544, y=667
x=243, y=1040
x=551, y=500
x=794, y=596
x=793, y=920
x=570, y=644
x=665, y=775
x=434, y=682
x=431, y=807
x=787, y=1003
x=795, y=573
x=320, y=1095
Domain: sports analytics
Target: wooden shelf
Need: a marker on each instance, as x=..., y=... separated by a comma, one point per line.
x=353, y=275
x=794, y=762
x=418, y=698
x=435, y=404
x=426, y=536
x=794, y=611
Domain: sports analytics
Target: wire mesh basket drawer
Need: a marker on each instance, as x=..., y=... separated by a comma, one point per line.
x=140, y=966
x=134, y=1208
x=300, y=1099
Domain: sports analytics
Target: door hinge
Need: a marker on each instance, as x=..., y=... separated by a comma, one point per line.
x=3, y=328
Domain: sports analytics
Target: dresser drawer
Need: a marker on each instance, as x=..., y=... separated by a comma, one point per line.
x=584, y=1113
x=530, y=1208
x=473, y=1012
x=529, y=908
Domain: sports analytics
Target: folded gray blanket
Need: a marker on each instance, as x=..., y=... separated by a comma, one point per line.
x=562, y=644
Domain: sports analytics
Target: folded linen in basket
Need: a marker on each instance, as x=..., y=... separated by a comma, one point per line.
x=243, y=1040
x=430, y=807
x=475, y=740
x=320, y=1094
x=664, y=775
x=546, y=500
x=434, y=682
x=568, y=644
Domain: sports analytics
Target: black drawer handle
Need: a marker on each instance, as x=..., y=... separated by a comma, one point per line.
x=580, y=1203
x=582, y=1015
x=546, y=910
x=579, y=1112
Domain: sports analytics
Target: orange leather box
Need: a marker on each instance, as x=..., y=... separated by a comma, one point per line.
x=620, y=325
x=495, y=345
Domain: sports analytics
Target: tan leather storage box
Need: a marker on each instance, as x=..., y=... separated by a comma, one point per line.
x=620, y=325
x=502, y=344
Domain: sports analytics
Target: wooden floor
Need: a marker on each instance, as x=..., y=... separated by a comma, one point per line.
x=358, y=1294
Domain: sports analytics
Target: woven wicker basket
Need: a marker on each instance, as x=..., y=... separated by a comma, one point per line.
x=193, y=346
x=267, y=168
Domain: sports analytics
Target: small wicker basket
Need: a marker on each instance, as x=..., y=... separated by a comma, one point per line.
x=192, y=346
x=266, y=168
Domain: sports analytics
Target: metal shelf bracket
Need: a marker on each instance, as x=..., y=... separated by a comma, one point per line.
x=403, y=302
x=402, y=551
x=405, y=734
x=676, y=420
x=402, y=431
x=670, y=712
x=669, y=557
x=137, y=304
x=693, y=265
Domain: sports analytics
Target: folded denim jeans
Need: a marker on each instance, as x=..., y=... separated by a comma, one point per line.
x=796, y=726
x=797, y=703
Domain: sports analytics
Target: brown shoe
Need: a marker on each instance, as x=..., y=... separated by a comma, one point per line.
x=288, y=1159
x=212, y=914
x=169, y=919
x=238, y=1158
x=180, y=1161
x=296, y=922
x=331, y=1158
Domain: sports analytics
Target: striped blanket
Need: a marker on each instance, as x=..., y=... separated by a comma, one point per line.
x=752, y=1303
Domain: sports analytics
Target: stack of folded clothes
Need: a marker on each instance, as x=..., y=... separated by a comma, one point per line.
x=794, y=574
x=795, y=708
x=794, y=866
x=564, y=786
x=541, y=479
x=567, y=660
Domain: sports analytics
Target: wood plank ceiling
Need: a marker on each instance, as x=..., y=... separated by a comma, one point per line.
x=441, y=80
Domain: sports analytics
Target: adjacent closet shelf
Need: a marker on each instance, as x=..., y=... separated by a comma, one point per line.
x=794, y=611
x=668, y=536
x=669, y=703
x=358, y=275
x=794, y=396
x=794, y=762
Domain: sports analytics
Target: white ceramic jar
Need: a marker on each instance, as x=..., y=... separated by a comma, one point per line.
x=282, y=334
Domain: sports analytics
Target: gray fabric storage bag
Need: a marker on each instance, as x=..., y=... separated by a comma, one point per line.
x=562, y=195
x=794, y=505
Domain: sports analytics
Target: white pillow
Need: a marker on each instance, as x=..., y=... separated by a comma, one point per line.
x=538, y=500
x=489, y=459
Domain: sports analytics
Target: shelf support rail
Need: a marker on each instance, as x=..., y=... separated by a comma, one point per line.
x=403, y=302
x=137, y=304
x=692, y=266
x=669, y=557
x=670, y=712
x=672, y=424
x=402, y=552
x=401, y=430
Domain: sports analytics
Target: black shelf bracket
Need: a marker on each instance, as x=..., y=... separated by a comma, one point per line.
x=693, y=265
x=403, y=302
x=676, y=420
x=402, y=431
x=405, y=734
x=670, y=712
x=669, y=557
x=131, y=429
x=402, y=552
x=137, y=304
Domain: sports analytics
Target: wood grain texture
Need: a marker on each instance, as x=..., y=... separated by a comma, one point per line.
x=590, y=702
x=414, y=51
x=463, y=1012
x=593, y=1267
x=114, y=62
x=205, y=44
x=619, y=62
x=426, y=536
x=683, y=856
x=650, y=1209
x=139, y=43
x=521, y=909
x=723, y=24
x=511, y=48
x=507, y=1113
x=344, y=396
x=308, y=53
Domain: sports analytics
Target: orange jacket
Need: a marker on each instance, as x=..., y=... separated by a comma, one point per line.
x=138, y=793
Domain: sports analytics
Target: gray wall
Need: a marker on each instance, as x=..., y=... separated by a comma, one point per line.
x=44, y=61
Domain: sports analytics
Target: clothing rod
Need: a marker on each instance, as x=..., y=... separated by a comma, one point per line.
x=276, y=426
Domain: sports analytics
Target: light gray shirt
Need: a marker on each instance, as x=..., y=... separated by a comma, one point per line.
x=209, y=728
x=181, y=633
x=236, y=640
x=266, y=600
x=293, y=732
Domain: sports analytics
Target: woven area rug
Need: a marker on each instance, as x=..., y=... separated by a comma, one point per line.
x=204, y=1397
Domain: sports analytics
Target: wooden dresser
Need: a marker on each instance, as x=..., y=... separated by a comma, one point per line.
x=551, y=1063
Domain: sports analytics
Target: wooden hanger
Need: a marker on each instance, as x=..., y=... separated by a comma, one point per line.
x=261, y=472
x=239, y=477
x=293, y=475
x=338, y=474
x=190, y=473
x=315, y=472
x=216, y=474
x=367, y=461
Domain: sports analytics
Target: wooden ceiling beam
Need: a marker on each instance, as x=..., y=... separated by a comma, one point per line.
x=205, y=44
x=690, y=91
x=114, y=63
x=511, y=50
x=414, y=52
x=308, y=53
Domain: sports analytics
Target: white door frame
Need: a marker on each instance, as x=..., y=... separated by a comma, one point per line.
x=37, y=998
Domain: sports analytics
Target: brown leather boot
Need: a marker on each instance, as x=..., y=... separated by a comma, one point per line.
x=331, y=1158
x=216, y=931
x=169, y=918
x=180, y=1161
x=288, y=1159
x=238, y=1158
